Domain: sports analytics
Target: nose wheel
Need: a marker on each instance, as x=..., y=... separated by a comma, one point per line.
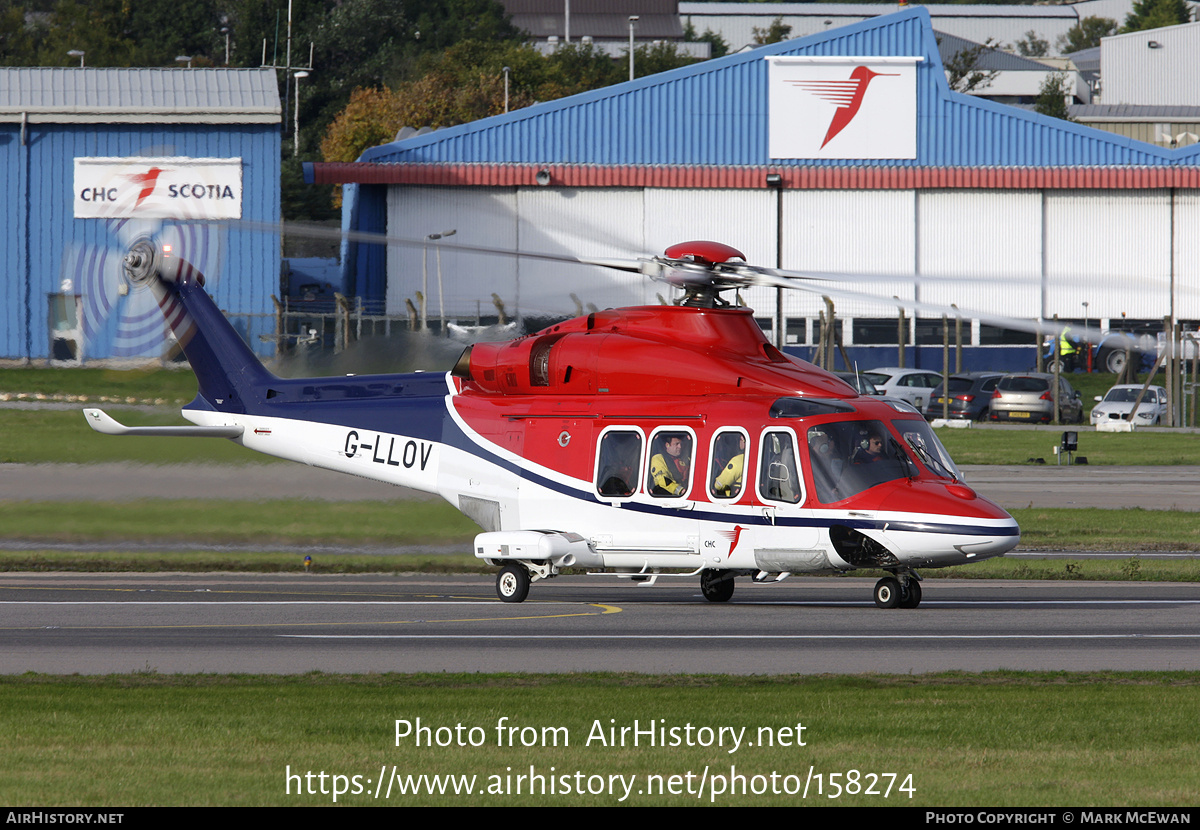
x=902, y=592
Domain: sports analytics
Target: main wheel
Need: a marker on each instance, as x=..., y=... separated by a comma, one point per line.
x=512, y=583
x=911, y=598
x=887, y=592
x=714, y=587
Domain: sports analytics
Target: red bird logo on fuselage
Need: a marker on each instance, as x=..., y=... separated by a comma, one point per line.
x=732, y=536
x=847, y=95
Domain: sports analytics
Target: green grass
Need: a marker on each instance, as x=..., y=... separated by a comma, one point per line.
x=60, y=561
x=43, y=436
x=990, y=740
x=283, y=522
x=1019, y=446
x=1098, y=529
x=174, y=386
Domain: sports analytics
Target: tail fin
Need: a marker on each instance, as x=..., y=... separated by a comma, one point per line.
x=230, y=375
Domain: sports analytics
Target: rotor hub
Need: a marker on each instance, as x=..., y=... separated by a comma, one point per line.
x=140, y=261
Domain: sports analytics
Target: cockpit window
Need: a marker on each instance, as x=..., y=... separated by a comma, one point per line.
x=848, y=457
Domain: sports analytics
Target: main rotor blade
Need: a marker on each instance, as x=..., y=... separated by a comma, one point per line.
x=321, y=232
x=1041, y=327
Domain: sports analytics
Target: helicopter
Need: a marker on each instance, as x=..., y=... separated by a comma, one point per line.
x=646, y=442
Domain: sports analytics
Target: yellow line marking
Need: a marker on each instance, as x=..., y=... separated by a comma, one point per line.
x=603, y=610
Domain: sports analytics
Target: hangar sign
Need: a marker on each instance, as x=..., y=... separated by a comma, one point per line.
x=158, y=188
x=842, y=107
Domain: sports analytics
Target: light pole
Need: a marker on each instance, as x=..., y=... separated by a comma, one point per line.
x=506, y=70
x=296, y=130
x=77, y=53
x=182, y=59
x=1087, y=343
x=633, y=19
x=433, y=237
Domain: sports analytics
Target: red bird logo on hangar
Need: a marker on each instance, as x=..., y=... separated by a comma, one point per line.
x=846, y=95
x=147, y=181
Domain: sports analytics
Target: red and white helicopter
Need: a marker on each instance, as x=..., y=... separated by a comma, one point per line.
x=646, y=441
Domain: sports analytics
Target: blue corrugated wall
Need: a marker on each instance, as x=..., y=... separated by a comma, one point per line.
x=40, y=228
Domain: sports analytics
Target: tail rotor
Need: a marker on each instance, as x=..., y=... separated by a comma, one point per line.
x=127, y=312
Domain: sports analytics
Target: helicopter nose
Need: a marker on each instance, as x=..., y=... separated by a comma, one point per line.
x=987, y=546
x=949, y=524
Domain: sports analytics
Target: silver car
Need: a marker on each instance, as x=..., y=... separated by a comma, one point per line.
x=1029, y=397
x=912, y=385
x=1117, y=405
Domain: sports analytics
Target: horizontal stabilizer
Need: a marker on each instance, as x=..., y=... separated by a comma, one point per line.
x=101, y=421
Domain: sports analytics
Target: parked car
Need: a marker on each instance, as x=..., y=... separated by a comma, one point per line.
x=1030, y=397
x=860, y=383
x=912, y=385
x=1117, y=404
x=970, y=396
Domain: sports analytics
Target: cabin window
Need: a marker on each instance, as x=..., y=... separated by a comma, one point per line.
x=619, y=461
x=670, y=472
x=728, y=459
x=777, y=472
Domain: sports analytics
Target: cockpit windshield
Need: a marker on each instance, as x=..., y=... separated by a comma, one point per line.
x=848, y=457
x=926, y=446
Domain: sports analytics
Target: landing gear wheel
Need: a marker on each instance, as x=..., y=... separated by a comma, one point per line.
x=714, y=587
x=512, y=584
x=887, y=592
x=910, y=597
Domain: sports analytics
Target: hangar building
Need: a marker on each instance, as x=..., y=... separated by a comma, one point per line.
x=92, y=159
x=842, y=152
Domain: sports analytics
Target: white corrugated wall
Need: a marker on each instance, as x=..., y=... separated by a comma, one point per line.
x=1017, y=253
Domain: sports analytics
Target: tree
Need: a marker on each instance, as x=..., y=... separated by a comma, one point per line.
x=718, y=46
x=659, y=57
x=577, y=67
x=777, y=31
x=364, y=44
x=1032, y=46
x=962, y=70
x=1154, y=14
x=372, y=117
x=1053, y=95
x=1086, y=34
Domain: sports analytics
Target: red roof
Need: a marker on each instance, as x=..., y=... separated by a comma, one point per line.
x=793, y=178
